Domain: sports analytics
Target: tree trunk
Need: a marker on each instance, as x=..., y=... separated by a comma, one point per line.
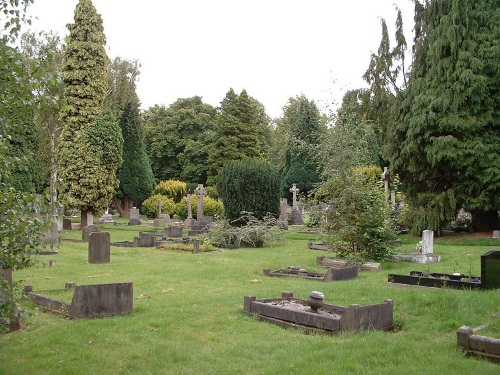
x=485, y=221
x=123, y=207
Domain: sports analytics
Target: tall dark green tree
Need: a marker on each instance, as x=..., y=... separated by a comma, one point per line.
x=249, y=185
x=239, y=127
x=87, y=164
x=301, y=164
x=444, y=142
x=178, y=138
x=135, y=174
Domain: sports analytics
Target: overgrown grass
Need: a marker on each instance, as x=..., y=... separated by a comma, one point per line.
x=188, y=316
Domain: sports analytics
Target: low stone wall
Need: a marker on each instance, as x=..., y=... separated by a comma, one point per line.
x=476, y=345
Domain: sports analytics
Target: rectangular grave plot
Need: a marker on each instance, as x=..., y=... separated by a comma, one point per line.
x=430, y=282
x=477, y=345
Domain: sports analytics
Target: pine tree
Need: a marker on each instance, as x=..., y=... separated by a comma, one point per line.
x=444, y=141
x=90, y=147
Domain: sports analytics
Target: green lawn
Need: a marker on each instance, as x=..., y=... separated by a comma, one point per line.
x=188, y=316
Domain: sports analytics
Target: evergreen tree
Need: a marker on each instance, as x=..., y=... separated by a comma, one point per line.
x=249, y=185
x=135, y=174
x=236, y=133
x=87, y=164
x=301, y=164
x=444, y=141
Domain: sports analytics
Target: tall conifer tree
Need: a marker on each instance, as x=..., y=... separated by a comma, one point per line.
x=444, y=144
x=90, y=148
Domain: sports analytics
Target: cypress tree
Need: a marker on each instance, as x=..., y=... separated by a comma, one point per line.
x=90, y=147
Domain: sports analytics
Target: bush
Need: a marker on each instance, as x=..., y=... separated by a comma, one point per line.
x=173, y=189
x=211, y=207
x=358, y=217
x=150, y=206
x=249, y=185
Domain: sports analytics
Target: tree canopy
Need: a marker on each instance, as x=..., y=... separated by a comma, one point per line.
x=444, y=138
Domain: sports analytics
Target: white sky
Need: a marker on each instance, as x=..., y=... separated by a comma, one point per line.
x=275, y=49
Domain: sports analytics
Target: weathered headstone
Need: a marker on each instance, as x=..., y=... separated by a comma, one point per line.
x=427, y=242
x=496, y=234
x=174, y=231
x=99, y=248
x=106, y=217
x=385, y=178
x=200, y=192
x=134, y=216
x=90, y=219
x=189, y=221
x=146, y=239
x=66, y=223
x=283, y=218
x=88, y=230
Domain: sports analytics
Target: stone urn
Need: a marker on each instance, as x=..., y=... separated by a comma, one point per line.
x=315, y=300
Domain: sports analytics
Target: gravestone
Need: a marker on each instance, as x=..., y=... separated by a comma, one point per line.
x=106, y=217
x=189, y=221
x=146, y=239
x=88, y=230
x=385, y=178
x=490, y=270
x=496, y=234
x=200, y=192
x=427, y=242
x=67, y=223
x=90, y=219
x=295, y=215
x=134, y=217
x=99, y=248
x=283, y=218
x=174, y=231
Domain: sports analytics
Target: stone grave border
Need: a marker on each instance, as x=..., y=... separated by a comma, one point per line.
x=477, y=345
x=333, y=274
x=89, y=301
x=352, y=318
x=442, y=280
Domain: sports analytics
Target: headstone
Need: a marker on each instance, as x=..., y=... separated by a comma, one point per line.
x=393, y=197
x=174, y=231
x=90, y=219
x=106, y=217
x=134, y=216
x=200, y=192
x=196, y=246
x=146, y=239
x=496, y=234
x=295, y=215
x=66, y=223
x=283, y=218
x=427, y=242
x=99, y=248
x=88, y=230
x=189, y=221
x=490, y=270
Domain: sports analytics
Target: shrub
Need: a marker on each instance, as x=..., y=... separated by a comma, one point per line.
x=150, y=206
x=173, y=189
x=211, y=207
x=249, y=185
x=358, y=217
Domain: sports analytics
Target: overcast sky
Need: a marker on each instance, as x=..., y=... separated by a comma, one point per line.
x=275, y=49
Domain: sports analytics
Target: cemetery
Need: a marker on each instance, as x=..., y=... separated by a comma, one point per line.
x=195, y=202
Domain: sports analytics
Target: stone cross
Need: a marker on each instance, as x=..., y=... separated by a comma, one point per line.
x=190, y=209
x=158, y=209
x=200, y=191
x=294, y=190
